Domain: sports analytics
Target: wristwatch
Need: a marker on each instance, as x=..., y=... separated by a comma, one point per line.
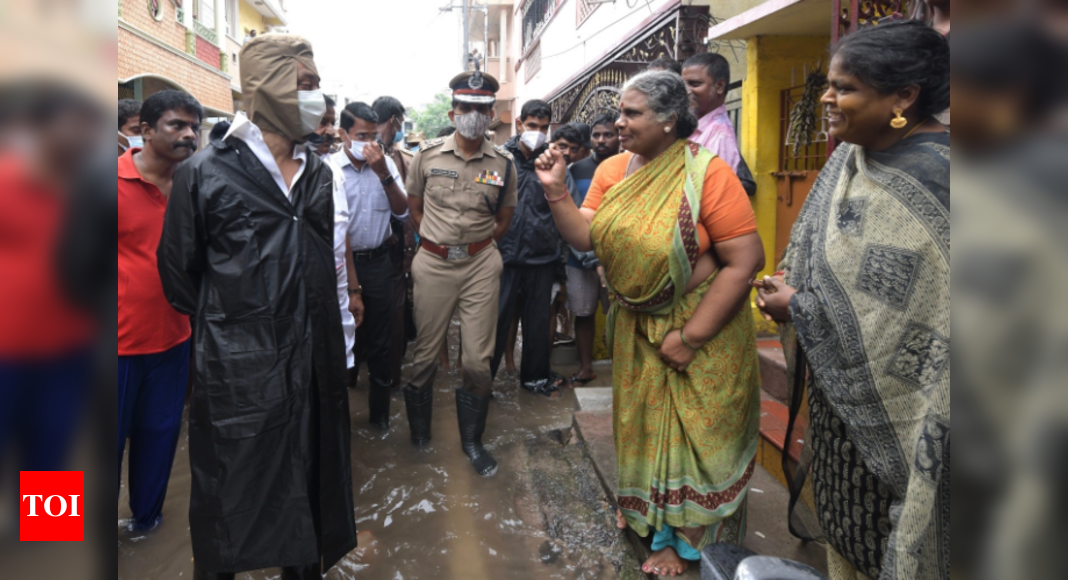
x=387, y=180
x=356, y=291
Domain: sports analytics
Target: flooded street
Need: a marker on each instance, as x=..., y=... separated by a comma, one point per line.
x=425, y=514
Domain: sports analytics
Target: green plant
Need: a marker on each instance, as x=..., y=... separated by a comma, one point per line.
x=434, y=116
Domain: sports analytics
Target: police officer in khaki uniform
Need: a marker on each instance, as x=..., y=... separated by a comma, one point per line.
x=462, y=193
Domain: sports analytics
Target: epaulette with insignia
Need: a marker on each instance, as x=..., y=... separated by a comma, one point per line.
x=431, y=143
x=504, y=152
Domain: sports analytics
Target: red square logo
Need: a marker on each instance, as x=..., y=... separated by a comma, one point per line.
x=52, y=506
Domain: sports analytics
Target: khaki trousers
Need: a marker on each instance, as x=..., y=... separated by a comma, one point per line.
x=471, y=287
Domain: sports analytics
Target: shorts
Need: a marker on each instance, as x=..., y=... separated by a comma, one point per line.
x=584, y=290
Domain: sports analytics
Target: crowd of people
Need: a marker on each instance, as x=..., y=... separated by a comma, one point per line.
x=303, y=240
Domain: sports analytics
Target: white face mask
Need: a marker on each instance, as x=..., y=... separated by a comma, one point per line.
x=312, y=108
x=136, y=142
x=534, y=140
x=357, y=150
x=473, y=125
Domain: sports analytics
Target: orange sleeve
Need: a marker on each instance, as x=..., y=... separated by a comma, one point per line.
x=726, y=212
x=608, y=174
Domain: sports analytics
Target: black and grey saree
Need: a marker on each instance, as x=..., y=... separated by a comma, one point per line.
x=870, y=257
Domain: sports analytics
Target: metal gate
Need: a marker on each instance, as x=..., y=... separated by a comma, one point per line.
x=798, y=169
x=127, y=91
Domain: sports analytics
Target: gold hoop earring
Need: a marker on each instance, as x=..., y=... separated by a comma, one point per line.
x=899, y=122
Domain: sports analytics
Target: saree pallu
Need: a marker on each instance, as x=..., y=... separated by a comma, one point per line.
x=870, y=258
x=686, y=442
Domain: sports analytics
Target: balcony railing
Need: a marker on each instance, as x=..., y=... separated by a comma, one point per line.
x=536, y=14
x=206, y=33
x=200, y=29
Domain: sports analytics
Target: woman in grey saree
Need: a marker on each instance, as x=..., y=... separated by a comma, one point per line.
x=866, y=298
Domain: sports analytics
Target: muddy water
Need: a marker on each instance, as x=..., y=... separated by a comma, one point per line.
x=425, y=514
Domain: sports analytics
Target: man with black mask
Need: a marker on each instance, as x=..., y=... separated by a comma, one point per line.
x=248, y=252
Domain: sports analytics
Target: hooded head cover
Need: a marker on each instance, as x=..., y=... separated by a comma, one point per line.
x=269, y=82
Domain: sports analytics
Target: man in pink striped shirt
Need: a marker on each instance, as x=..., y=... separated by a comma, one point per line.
x=707, y=77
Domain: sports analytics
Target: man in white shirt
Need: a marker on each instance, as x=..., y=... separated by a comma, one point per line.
x=248, y=252
x=375, y=193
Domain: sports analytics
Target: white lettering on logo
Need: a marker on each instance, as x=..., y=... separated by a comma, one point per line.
x=33, y=503
x=48, y=503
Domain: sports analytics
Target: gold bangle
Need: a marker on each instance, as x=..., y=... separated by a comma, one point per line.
x=682, y=335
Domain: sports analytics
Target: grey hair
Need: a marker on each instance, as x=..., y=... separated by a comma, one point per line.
x=666, y=95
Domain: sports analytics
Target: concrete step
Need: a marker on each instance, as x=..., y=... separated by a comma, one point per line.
x=773, y=369
x=768, y=499
x=594, y=399
x=564, y=355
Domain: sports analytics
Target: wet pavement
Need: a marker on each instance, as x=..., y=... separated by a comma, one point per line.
x=425, y=514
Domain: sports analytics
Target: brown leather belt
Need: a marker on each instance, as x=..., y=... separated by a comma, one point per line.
x=456, y=253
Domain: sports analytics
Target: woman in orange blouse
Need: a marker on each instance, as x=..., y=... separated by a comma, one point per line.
x=677, y=236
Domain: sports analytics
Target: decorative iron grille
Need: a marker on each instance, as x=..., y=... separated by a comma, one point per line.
x=854, y=14
x=585, y=9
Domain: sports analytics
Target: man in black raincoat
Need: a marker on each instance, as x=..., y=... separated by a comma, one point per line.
x=247, y=251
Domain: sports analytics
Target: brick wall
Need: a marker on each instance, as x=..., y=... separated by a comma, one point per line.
x=168, y=30
x=208, y=53
x=139, y=57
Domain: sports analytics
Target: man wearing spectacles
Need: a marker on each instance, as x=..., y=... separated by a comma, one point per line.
x=376, y=194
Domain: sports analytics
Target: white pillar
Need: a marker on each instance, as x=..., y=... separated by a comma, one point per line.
x=220, y=23
x=503, y=50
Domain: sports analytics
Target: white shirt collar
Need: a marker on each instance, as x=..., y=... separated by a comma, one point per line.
x=244, y=129
x=341, y=159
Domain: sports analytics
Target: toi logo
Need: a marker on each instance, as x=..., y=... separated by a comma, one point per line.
x=51, y=506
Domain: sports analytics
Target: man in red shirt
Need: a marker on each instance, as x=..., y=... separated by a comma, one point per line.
x=153, y=337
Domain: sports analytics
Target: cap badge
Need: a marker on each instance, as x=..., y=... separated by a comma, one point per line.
x=476, y=81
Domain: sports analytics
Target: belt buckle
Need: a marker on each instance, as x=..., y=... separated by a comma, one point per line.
x=457, y=253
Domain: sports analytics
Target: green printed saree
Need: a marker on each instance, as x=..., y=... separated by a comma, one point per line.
x=686, y=442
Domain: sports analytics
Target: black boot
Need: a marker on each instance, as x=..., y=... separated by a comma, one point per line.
x=379, y=402
x=420, y=403
x=471, y=411
x=199, y=574
x=310, y=572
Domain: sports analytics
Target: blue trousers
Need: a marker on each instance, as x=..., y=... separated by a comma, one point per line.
x=41, y=407
x=151, y=397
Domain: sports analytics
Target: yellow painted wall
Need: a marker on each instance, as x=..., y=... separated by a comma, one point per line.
x=249, y=19
x=772, y=61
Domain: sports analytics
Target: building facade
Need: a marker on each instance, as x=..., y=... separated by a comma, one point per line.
x=576, y=54
x=191, y=46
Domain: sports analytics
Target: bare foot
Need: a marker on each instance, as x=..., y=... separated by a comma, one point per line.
x=621, y=522
x=666, y=563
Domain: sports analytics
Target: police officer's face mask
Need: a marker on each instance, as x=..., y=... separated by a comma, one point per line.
x=472, y=125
